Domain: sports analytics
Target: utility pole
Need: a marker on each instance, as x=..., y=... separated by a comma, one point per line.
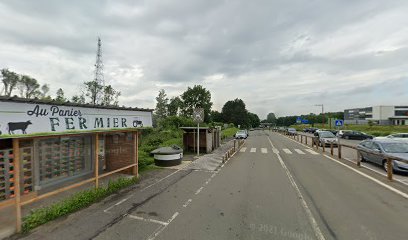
x=321, y=105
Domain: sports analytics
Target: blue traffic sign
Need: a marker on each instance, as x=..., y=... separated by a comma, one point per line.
x=338, y=123
x=305, y=121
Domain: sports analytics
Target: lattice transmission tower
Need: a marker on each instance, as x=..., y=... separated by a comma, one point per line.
x=99, y=78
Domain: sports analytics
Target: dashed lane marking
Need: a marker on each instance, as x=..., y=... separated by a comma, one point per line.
x=287, y=151
x=311, y=151
x=147, y=220
x=299, y=151
x=187, y=202
x=199, y=190
x=264, y=150
x=253, y=150
x=243, y=149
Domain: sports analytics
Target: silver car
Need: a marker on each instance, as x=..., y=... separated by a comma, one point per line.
x=241, y=134
x=326, y=138
x=372, y=151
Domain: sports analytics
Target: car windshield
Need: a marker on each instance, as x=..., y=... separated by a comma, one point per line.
x=326, y=135
x=395, y=147
x=241, y=132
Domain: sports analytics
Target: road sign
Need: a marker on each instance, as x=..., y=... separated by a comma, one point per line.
x=305, y=121
x=298, y=120
x=338, y=122
x=198, y=115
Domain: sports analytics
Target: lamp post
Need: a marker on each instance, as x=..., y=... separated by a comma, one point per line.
x=321, y=105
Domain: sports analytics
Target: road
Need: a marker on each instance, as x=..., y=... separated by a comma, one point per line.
x=351, y=155
x=274, y=188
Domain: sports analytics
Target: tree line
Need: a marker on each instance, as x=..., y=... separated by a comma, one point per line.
x=233, y=111
x=24, y=86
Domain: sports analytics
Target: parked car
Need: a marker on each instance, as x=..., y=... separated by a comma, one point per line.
x=291, y=131
x=372, y=151
x=346, y=134
x=241, y=134
x=397, y=136
x=326, y=138
x=306, y=130
x=329, y=130
x=313, y=130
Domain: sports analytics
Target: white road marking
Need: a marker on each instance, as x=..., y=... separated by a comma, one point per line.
x=243, y=149
x=264, y=150
x=317, y=231
x=363, y=174
x=287, y=151
x=311, y=151
x=405, y=182
x=121, y=201
x=299, y=151
x=253, y=150
x=147, y=220
x=187, y=202
x=161, y=228
x=199, y=190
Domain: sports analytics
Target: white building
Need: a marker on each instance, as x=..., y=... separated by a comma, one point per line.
x=382, y=115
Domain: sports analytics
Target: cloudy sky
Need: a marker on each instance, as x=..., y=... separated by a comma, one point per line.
x=278, y=56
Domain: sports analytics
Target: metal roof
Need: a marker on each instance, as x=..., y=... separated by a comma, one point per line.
x=68, y=103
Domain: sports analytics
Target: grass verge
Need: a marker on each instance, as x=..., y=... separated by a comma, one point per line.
x=74, y=203
x=228, y=132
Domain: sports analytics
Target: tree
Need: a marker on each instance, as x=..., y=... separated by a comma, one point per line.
x=216, y=116
x=235, y=112
x=60, y=96
x=78, y=99
x=110, y=96
x=174, y=105
x=94, y=91
x=45, y=89
x=271, y=118
x=29, y=87
x=161, y=105
x=254, y=119
x=196, y=97
x=10, y=80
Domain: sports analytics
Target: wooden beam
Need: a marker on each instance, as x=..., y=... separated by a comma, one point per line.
x=135, y=169
x=117, y=170
x=96, y=156
x=17, y=190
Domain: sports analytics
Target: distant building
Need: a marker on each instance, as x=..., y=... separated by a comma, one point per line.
x=382, y=115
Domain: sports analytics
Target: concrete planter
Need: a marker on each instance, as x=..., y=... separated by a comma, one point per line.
x=168, y=156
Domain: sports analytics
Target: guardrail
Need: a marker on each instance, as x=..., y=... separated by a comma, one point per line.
x=237, y=145
x=303, y=138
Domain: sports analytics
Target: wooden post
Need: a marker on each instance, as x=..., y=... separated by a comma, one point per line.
x=358, y=159
x=339, y=151
x=17, y=189
x=234, y=144
x=135, y=169
x=301, y=138
x=389, y=168
x=331, y=149
x=306, y=140
x=96, y=157
x=323, y=146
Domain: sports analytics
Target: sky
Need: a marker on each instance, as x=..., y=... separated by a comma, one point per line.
x=281, y=56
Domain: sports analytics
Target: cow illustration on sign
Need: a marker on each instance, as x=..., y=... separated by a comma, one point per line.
x=12, y=126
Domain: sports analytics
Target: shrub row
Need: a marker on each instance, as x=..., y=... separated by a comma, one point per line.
x=73, y=203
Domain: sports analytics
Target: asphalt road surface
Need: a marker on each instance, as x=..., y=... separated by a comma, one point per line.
x=274, y=188
x=351, y=155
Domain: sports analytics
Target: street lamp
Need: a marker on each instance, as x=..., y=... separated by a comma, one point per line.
x=321, y=105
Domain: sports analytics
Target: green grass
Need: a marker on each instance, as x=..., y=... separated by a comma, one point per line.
x=229, y=132
x=74, y=203
x=375, y=130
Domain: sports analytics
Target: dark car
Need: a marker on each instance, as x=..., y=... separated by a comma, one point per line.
x=373, y=150
x=313, y=130
x=354, y=135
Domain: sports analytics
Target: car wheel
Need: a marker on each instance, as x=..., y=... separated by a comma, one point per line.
x=362, y=159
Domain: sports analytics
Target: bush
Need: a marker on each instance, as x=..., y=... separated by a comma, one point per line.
x=74, y=203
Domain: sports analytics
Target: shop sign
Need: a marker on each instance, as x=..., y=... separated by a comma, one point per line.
x=28, y=118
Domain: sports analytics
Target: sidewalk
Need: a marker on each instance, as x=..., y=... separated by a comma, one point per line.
x=212, y=160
